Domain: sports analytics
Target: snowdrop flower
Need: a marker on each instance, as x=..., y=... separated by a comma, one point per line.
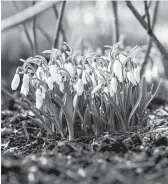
x=43, y=91
x=75, y=100
x=84, y=77
x=54, y=74
x=40, y=73
x=92, y=77
x=49, y=81
x=131, y=78
x=15, y=81
x=106, y=90
x=137, y=74
x=70, y=68
x=61, y=86
x=122, y=58
x=26, y=80
x=79, y=87
x=94, y=64
x=114, y=84
x=96, y=89
x=24, y=90
x=118, y=70
x=39, y=98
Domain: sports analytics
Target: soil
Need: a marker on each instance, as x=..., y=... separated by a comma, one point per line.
x=29, y=155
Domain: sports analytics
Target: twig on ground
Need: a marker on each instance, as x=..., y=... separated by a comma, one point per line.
x=115, y=22
x=25, y=15
x=25, y=30
x=35, y=51
x=145, y=26
x=149, y=45
x=58, y=25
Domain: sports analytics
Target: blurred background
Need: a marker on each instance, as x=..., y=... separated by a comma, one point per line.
x=86, y=26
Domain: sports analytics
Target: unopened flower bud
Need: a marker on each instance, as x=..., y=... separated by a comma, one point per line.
x=114, y=84
x=75, y=100
x=43, y=91
x=53, y=72
x=137, y=74
x=79, y=87
x=118, y=70
x=61, y=86
x=131, y=78
x=96, y=89
x=26, y=80
x=24, y=90
x=39, y=99
x=15, y=81
x=40, y=73
x=50, y=83
x=84, y=77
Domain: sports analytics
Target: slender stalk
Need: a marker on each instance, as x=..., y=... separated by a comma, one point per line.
x=115, y=22
x=58, y=26
x=6, y=92
x=25, y=30
x=35, y=51
x=145, y=26
x=149, y=45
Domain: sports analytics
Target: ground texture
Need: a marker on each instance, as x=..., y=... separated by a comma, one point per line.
x=30, y=156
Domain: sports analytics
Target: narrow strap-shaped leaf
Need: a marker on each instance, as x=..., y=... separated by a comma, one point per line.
x=57, y=99
x=150, y=99
x=135, y=106
x=87, y=119
x=118, y=113
x=42, y=125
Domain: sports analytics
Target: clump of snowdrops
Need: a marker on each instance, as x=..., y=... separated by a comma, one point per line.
x=98, y=93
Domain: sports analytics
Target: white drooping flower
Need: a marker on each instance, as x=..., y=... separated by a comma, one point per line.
x=137, y=74
x=122, y=58
x=24, y=90
x=70, y=68
x=131, y=78
x=54, y=73
x=39, y=98
x=148, y=75
x=75, y=100
x=96, y=89
x=43, y=91
x=79, y=87
x=92, y=77
x=50, y=83
x=106, y=90
x=84, y=77
x=15, y=81
x=114, y=84
x=26, y=80
x=61, y=86
x=118, y=70
x=40, y=73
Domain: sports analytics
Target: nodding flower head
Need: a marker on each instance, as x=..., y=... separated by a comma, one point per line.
x=54, y=74
x=50, y=83
x=79, y=86
x=16, y=81
x=114, y=84
x=40, y=73
x=131, y=78
x=96, y=89
x=39, y=98
x=118, y=70
x=26, y=80
x=137, y=74
x=24, y=90
x=70, y=68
